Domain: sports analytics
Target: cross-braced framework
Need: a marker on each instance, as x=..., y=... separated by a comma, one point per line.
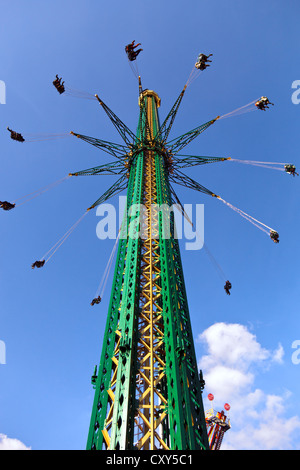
x=148, y=392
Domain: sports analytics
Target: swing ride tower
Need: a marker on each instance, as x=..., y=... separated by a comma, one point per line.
x=148, y=393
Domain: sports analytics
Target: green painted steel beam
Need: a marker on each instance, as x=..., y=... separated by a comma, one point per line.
x=115, y=405
x=186, y=161
x=116, y=150
x=175, y=145
x=180, y=178
x=114, y=168
x=116, y=188
x=110, y=339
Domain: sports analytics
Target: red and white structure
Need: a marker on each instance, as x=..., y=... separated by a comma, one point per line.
x=217, y=423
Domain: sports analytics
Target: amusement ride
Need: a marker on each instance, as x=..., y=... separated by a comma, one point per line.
x=148, y=390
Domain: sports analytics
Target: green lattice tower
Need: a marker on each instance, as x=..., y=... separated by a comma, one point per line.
x=148, y=393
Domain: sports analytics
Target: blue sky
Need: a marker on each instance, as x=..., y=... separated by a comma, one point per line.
x=53, y=337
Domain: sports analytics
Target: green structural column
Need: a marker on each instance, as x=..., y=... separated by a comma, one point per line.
x=148, y=393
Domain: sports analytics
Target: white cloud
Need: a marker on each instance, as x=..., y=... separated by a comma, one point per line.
x=268, y=429
x=7, y=443
x=278, y=354
x=232, y=344
x=233, y=361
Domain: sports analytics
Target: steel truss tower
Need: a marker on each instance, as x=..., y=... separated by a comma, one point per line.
x=148, y=393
